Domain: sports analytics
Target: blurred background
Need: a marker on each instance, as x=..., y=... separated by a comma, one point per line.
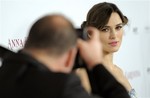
x=17, y=16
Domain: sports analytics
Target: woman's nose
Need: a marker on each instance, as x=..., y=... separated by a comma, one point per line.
x=113, y=34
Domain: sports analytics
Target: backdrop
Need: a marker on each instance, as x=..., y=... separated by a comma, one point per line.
x=17, y=16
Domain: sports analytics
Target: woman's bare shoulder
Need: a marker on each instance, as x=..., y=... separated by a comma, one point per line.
x=118, y=68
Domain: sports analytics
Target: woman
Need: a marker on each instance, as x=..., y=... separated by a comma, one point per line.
x=110, y=21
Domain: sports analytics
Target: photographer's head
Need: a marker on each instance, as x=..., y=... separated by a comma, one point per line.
x=52, y=40
x=108, y=18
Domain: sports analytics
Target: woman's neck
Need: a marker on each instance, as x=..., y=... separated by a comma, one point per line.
x=108, y=60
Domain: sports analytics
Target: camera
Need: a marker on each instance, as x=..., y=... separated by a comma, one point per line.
x=79, y=62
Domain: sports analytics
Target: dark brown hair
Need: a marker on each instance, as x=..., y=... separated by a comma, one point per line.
x=51, y=35
x=98, y=16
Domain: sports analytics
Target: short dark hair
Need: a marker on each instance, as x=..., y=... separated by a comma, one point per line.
x=98, y=16
x=52, y=35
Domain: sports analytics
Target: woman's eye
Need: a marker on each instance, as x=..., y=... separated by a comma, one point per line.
x=105, y=29
x=118, y=27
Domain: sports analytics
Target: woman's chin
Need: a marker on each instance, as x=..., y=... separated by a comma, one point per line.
x=111, y=51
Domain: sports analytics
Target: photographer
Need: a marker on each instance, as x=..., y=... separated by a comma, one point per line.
x=43, y=68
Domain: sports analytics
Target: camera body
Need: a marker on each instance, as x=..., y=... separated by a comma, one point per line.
x=79, y=62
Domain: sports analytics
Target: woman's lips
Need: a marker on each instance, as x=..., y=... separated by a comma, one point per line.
x=114, y=43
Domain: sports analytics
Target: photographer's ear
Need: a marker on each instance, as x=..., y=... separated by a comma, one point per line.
x=70, y=58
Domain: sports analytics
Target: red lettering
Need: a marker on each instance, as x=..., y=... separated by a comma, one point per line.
x=16, y=43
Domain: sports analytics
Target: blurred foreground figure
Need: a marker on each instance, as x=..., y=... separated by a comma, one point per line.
x=4, y=53
x=43, y=68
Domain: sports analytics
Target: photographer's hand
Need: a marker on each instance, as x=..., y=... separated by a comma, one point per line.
x=91, y=50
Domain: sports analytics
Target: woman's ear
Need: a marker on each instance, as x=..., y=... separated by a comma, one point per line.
x=89, y=35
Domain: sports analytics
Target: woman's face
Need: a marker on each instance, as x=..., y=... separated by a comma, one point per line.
x=111, y=34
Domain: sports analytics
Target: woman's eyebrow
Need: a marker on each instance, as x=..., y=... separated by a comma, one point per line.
x=120, y=24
